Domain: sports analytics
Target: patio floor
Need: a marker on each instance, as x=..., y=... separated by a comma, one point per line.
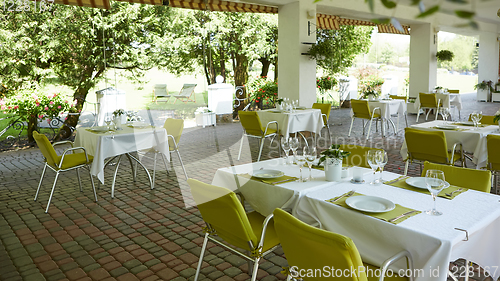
x=141, y=234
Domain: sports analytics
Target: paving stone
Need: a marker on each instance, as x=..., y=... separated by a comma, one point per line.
x=118, y=271
x=132, y=263
x=34, y=277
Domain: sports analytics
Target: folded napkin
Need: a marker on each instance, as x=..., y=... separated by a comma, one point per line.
x=401, y=183
x=456, y=129
x=280, y=180
x=387, y=216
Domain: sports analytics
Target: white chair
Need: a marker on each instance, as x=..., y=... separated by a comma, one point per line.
x=185, y=93
x=160, y=91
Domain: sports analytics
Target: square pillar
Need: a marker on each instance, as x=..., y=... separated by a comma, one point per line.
x=296, y=72
x=423, y=62
x=488, y=60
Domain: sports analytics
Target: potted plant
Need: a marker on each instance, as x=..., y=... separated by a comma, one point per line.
x=444, y=55
x=370, y=94
x=204, y=117
x=333, y=157
x=484, y=90
x=117, y=118
x=497, y=117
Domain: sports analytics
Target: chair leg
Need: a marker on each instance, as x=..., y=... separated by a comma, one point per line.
x=182, y=164
x=200, y=261
x=418, y=115
x=329, y=135
x=255, y=269
x=369, y=128
x=40, y=183
x=52, y=192
x=154, y=172
x=406, y=167
x=92, y=182
x=350, y=128
x=260, y=150
x=241, y=146
x=79, y=180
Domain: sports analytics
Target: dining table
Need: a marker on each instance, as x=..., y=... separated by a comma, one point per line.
x=388, y=108
x=473, y=140
x=467, y=229
x=447, y=100
x=297, y=120
x=103, y=143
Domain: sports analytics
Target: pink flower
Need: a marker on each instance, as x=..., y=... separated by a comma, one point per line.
x=51, y=102
x=37, y=104
x=50, y=96
x=2, y=107
x=59, y=107
x=65, y=101
x=40, y=116
x=46, y=108
x=48, y=120
x=16, y=107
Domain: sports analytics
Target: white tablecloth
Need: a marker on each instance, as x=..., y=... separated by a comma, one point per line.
x=300, y=120
x=473, y=141
x=262, y=197
x=104, y=145
x=446, y=99
x=433, y=241
x=389, y=107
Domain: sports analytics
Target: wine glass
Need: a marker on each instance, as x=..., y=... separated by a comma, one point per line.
x=445, y=112
x=301, y=161
x=475, y=117
x=294, y=145
x=108, y=121
x=382, y=160
x=311, y=154
x=285, y=144
x=372, y=158
x=434, y=180
x=479, y=116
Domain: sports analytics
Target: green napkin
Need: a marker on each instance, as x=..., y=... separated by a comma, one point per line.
x=280, y=180
x=472, y=125
x=97, y=132
x=401, y=183
x=456, y=129
x=387, y=216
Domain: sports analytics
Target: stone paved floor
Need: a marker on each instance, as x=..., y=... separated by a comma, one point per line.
x=142, y=234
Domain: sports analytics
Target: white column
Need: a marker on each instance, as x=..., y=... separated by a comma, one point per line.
x=296, y=72
x=423, y=63
x=488, y=59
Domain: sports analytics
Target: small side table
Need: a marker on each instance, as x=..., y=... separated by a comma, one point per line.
x=205, y=119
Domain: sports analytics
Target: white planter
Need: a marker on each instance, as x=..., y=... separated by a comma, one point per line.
x=333, y=169
x=482, y=95
x=411, y=108
x=205, y=119
x=371, y=97
x=118, y=122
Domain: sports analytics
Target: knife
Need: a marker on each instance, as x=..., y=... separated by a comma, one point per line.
x=350, y=193
x=402, y=216
x=281, y=181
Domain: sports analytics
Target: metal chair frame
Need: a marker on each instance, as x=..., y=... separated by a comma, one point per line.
x=364, y=125
x=261, y=139
x=420, y=162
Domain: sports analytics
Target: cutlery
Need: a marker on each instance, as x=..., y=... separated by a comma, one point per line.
x=351, y=193
x=396, y=180
x=402, y=216
x=453, y=192
x=275, y=182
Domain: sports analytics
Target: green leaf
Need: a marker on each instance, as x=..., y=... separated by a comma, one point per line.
x=388, y=4
x=382, y=21
x=458, y=1
x=371, y=4
x=464, y=14
x=429, y=12
x=415, y=2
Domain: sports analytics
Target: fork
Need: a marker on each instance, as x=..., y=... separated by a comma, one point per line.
x=453, y=192
x=351, y=193
x=402, y=216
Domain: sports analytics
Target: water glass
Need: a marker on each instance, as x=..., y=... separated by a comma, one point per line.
x=445, y=112
x=434, y=180
x=294, y=145
x=311, y=154
x=301, y=161
x=372, y=158
x=285, y=144
x=382, y=160
x=108, y=122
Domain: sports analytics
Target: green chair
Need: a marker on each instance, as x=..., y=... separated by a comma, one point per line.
x=357, y=156
x=252, y=127
x=68, y=161
x=225, y=217
x=361, y=109
x=493, y=146
x=430, y=146
x=486, y=119
x=428, y=101
x=309, y=248
x=325, y=114
x=479, y=180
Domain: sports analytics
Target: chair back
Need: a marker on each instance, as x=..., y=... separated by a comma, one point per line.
x=361, y=109
x=187, y=90
x=310, y=248
x=46, y=148
x=358, y=155
x=251, y=123
x=395, y=97
x=161, y=90
x=428, y=100
x=325, y=109
x=174, y=127
x=426, y=145
x=453, y=91
x=486, y=119
x=222, y=211
x=493, y=145
x=464, y=177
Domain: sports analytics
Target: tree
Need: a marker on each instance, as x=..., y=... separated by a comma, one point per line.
x=79, y=45
x=335, y=50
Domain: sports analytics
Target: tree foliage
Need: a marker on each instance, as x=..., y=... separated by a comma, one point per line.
x=335, y=50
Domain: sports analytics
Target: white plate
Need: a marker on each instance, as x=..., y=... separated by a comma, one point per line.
x=267, y=174
x=370, y=204
x=419, y=182
x=447, y=127
x=466, y=123
x=99, y=129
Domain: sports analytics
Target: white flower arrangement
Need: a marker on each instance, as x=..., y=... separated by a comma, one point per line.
x=203, y=110
x=497, y=116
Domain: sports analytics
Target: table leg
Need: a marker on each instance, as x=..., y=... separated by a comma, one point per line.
x=131, y=166
x=147, y=172
x=114, y=177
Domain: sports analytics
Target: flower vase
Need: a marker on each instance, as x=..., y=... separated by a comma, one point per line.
x=371, y=97
x=333, y=169
x=118, y=122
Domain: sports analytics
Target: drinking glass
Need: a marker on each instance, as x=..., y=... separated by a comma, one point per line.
x=311, y=154
x=301, y=161
x=476, y=117
x=285, y=144
x=445, y=112
x=372, y=158
x=382, y=159
x=479, y=117
x=434, y=180
x=294, y=145
x=108, y=121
